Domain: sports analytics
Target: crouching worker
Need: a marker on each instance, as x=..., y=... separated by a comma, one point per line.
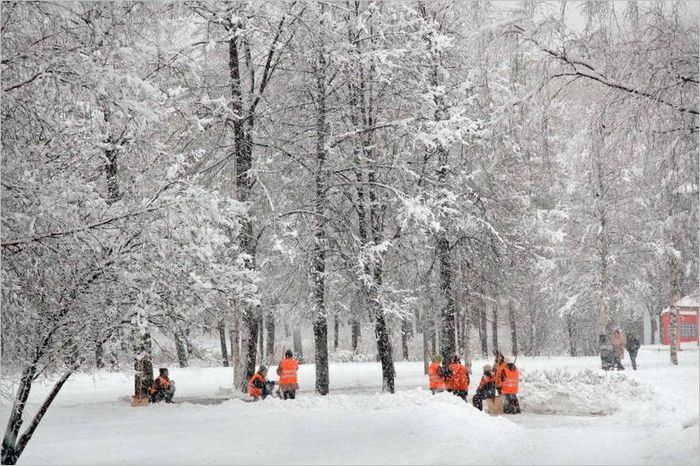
x=436, y=375
x=258, y=386
x=287, y=372
x=162, y=388
x=458, y=379
x=486, y=388
x=509, y=388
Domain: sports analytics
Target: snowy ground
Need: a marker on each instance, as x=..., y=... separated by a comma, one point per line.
x=645, y=417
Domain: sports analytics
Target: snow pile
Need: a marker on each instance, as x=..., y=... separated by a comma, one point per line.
x=586, y=393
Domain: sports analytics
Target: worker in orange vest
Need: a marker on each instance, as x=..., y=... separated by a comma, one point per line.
x=486, y=388
x=458, y=379
x=509, y=388
x=258, y=386
x=287, y=372
x=498, y=366
x=162, y=388
x=436, y=375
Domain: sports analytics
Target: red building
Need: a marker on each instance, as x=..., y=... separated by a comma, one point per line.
x=688, y=310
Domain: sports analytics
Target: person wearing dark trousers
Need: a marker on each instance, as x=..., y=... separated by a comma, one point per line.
x=458, y=379
x=632, y=348
x=162, y=388
x=259, y=386
x=486, y=389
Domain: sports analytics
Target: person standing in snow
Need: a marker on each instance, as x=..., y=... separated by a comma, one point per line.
x=632, y=348
x=458, y=380
x=498, y=365
x=509, y=387
x=287, y=372
x=436, y=375
x=162, y=388
x=486, y=388
x=618, y=342
x=258, y=386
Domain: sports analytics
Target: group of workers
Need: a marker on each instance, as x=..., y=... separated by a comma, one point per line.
x=260, y=387
x=499, y=379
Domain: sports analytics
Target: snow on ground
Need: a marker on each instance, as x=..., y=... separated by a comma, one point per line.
x=574, y=414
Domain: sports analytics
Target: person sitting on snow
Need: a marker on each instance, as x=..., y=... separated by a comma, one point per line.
x=486, y=388
x=287, y=372
x=458, y=380
x=258, y=386
x=509, y=387
x=162, y=388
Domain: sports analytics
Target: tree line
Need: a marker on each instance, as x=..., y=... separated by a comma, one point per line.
x=412, y=168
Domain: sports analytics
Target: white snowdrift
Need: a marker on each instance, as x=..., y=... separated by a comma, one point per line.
x=585, y=393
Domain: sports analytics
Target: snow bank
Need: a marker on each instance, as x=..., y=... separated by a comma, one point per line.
x=585, y=393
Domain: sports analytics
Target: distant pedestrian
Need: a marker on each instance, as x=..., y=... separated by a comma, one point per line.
x=287, y=372
x=436, y=375
x=458, y=380
x=632, y=348
x=618, y=343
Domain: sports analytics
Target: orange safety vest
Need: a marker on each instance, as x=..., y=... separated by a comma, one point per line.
x=252, y=389
x=161, y=382
x=499, y=375
x=287, y=370
x=436, y=381
x=459, y=380
x=510, y=385
x=485, y=380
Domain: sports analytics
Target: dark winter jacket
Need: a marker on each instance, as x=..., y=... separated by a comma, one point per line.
x=633, y=344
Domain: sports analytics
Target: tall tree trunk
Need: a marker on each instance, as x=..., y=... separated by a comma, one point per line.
x=406, y=335
x=426, y=346
x=9, y=441
x=14, y=444
x=494, y=328
x=447, y=313
x=336, y=326
x=261, y=339
x=513, y=328
x=483, y=333
x=383, y=344
x=99, y=354
x=466, y=329
x=318, y=260
x=296, y=337
x=180, y=347
x=270, y=326
x=242, y=129
x=143, y=365
x=570, y=332
x=234, y=336
x=222, y=342
x=674, y=295
x=355, y=334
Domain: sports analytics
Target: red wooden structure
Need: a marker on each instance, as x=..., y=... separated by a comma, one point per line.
x=688, y=310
